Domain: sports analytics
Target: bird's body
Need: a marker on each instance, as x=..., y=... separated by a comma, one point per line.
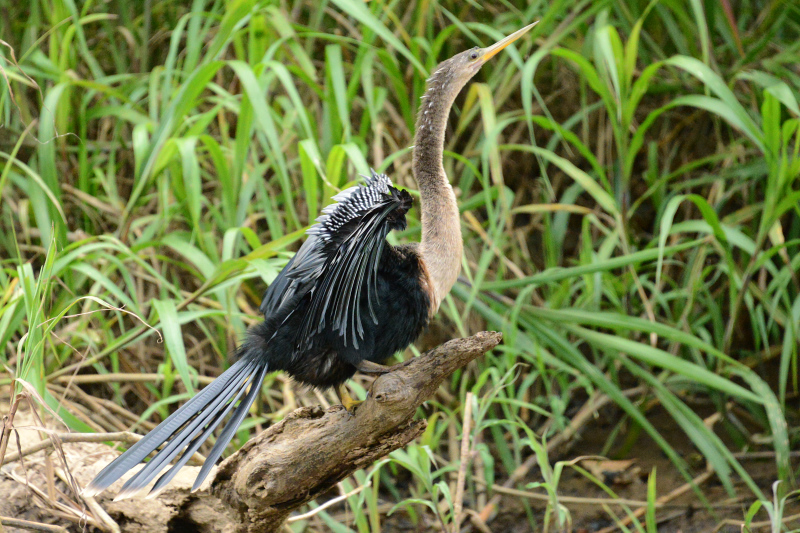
x=346, y=301
x=400, y=319
x=375, y=310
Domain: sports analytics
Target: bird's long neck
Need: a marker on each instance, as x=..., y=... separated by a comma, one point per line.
x=441, y=230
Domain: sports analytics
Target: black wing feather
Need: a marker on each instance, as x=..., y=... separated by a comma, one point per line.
x=335, y=302
x=339, y=261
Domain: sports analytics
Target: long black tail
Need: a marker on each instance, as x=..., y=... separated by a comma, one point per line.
x=185, y=430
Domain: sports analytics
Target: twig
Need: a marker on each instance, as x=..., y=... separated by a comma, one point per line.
x=120, y=376
x=98, y=413
x=30, y=526
x=741, y=524
x=476, y=521
x=121, y=436
x=462, y=468
x=759, y=456
x=68, y=478
x=577, y=500
x=98, y=513
x=55, y=507
x=8, y=426
x=327, y=504
x=101, y=514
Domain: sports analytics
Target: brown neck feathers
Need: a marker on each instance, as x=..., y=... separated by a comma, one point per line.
x=441, y=229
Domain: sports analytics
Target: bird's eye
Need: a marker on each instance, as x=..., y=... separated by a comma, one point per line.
x=473, y=55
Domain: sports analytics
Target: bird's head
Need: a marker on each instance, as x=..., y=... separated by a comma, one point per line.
x=461, y=67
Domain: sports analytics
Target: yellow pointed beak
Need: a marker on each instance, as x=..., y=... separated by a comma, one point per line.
x=490, y=52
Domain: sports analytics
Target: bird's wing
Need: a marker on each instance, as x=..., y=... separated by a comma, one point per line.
x=339, y=261
x=281, y=289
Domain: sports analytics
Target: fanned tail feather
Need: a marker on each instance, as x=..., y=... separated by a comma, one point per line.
x=186, y=430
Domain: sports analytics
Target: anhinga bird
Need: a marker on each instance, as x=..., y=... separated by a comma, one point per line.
x=345, y=302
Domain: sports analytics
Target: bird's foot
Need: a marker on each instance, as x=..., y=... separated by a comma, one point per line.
x=347, y=401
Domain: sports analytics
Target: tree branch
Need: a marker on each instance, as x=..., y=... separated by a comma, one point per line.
x=312, y=449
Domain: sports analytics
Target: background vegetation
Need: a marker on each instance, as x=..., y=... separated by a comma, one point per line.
x=628, y=179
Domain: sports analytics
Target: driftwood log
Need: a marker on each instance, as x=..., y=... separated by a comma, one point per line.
x=308, y=452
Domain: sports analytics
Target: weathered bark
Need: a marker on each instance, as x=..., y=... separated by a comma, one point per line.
x=312, y=449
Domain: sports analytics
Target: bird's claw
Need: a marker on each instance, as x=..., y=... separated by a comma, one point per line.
x=351, y=407
x=347, y=401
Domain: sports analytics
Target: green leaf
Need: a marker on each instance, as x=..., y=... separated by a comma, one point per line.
x=660, y=358
x=358, y=10
x=603, y=198
x=650, y=517
x=728, y=106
